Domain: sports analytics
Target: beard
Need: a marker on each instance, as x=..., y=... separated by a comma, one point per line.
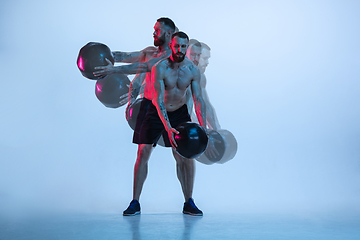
x=202, y=68
x=178, y=57
x=159, y=41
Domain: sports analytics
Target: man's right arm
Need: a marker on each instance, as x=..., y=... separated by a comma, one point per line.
x=133, y=57
x=135, y=87
x=127, y=57
x=134, y=68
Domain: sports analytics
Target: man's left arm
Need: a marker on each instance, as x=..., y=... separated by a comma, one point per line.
x=200, y=107
x=211, y=117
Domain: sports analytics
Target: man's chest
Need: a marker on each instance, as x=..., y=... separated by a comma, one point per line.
x=180, y=78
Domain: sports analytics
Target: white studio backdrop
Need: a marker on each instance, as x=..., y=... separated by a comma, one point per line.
x=283, y=78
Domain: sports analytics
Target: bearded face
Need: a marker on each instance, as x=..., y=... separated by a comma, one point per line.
x=193, y=53
x=159, y=41
x=178, y=57
x=178, y=48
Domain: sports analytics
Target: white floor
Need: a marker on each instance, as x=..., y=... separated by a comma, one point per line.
x=179, y=226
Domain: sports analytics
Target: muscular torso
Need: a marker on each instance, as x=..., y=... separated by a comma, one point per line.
x=177, y=79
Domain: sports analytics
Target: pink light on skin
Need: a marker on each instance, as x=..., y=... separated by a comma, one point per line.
x=131, y=110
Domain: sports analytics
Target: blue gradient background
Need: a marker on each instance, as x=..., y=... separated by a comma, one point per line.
x=283, y=77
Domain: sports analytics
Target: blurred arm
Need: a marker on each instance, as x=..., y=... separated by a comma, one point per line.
x=134, y=68
x=132, y=57
x=127, y=57
x=211, y=117
x=200, y=107
x=135, y=87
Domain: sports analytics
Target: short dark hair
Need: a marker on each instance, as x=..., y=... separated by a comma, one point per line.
x=180, y=35
x=204, y=45
x=168, y=22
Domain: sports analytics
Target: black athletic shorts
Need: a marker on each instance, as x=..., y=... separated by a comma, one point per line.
x=149, y=126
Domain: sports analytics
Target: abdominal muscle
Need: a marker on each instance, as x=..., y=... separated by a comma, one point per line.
x=174, y=99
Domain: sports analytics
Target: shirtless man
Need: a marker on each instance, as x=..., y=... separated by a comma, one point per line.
x=142, y=61
x=170, y=79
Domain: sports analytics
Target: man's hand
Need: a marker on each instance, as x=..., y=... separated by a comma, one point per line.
x=211, y=149
x=104, y=70
x=171, y=132
x=124, y=99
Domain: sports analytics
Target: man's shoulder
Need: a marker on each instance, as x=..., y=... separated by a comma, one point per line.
x=203, y=80
x=150, y=51
x=193, y=68
x=163, y=62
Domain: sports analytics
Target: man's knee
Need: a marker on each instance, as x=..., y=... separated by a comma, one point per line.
x=144, y=151
x=180, y=159
x=176, y=155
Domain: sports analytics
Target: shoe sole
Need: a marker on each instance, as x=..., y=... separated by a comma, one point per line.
x=192, y=214
x=133, y=214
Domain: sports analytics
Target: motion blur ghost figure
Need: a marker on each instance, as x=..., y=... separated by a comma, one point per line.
x=194, y=51
x=204, y=57
x=211, y=117
x=202, y=61
x=223, y=145
x=142, y=61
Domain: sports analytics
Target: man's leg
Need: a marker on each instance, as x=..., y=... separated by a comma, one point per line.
x=140, y=173
x=141, y=168
x=185, y=169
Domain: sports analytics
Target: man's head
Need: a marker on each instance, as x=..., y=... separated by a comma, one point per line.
x=204, y=57
x=178, y=45
x=163, y=29
x=194, y=51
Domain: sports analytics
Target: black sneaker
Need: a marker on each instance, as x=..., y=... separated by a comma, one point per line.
x=191, y=209
x=133, y=209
